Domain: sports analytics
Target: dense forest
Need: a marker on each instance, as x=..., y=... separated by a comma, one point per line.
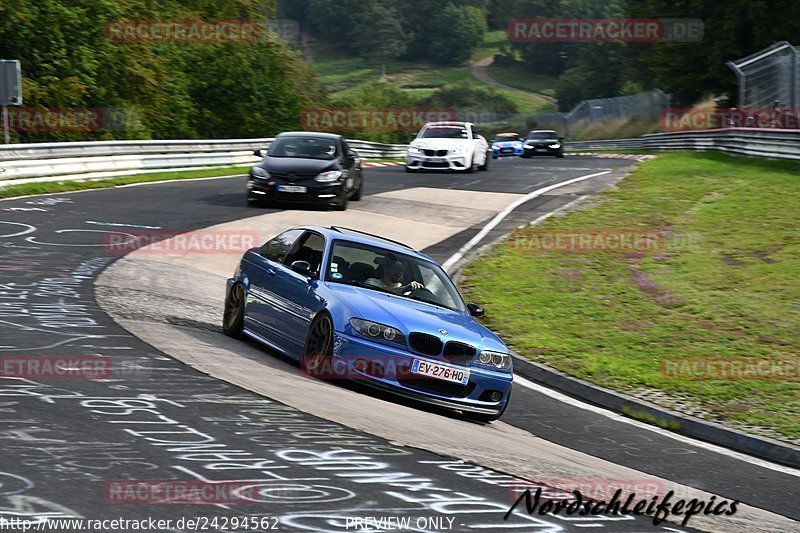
x=201, y=89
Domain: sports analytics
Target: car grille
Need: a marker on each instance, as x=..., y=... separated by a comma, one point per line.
x=436, y=165
x=425, y=343
x=458, y=352
x=286, y=176
x=437, y=153
x=438, y=386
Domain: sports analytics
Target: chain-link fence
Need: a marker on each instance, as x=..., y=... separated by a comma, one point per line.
x=646, y=106
x=769, y=78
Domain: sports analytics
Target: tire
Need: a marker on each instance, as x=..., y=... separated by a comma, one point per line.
x=342, y=205
x=317, y=357
x=525, y=156
x=485, y=165
x=560, y=155
x=252, y=201
x=410, y=170
x=357, y=194
x=480, y=417
x=233, y=316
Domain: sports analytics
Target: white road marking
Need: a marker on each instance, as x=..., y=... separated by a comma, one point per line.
x=519, y=380
x=456, y=257
x=556, y=211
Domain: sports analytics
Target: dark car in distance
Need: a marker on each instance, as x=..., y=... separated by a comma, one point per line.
x=306, y=168
x=542, y=142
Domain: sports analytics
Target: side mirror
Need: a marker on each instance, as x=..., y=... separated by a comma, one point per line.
x=302, y=267
x=561, y=139
x=475, y=309
x=259, y=153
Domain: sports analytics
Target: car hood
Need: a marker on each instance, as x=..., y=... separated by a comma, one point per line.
x=441, y=144
x=410, y=315
x=507, y=144
x=300, y=166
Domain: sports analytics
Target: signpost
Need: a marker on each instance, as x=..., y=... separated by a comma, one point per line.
x=10, y=89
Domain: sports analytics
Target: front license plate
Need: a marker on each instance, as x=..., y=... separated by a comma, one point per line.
x=291, y=188
x=433, y=159
x=443, y=372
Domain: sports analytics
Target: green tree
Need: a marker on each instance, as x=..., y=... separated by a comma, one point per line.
x=460, y=33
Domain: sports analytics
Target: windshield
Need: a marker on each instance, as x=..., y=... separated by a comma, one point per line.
x=445, y=132
x=387, y=271
x=506, y=138
x=303, y=147
x=542, y=135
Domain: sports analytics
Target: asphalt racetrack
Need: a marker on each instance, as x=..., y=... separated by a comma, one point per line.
x=187, y=403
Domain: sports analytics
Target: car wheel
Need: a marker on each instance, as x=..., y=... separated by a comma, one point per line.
x=318, y=350
x=233, y=316
x=252, y=201
x=560, y=154
x=357, y=194
x=524, y=155
x=485, y=165
x=342, y=205
x=480, y=417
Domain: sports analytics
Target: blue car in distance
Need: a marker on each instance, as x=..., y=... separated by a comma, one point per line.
x=507, y=144
x=351, y=305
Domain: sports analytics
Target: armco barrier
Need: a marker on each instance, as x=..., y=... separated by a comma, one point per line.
x=25, y=163
x=770, y=143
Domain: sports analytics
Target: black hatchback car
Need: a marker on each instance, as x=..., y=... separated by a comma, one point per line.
x=308, y=168
x=542, y=142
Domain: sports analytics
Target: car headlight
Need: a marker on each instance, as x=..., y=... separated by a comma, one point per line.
x=495, y=146
x=496, y=359
x=329, y=176
x=555, y=146
x=528, y=145
x=258, y=172
x=375, y=330
x=414, y=150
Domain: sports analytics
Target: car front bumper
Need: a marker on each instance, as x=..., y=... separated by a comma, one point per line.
x=543, y=150
x=388, y=368
x=507, y=152
x=315, y=193
x=460, y=161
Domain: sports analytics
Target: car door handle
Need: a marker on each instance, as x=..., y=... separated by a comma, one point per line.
x=270, y=271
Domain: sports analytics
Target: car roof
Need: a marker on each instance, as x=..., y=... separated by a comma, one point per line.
x=449, y=123
x=308, y=134
x=362, y=237
x=506, y=134
x=541, y=131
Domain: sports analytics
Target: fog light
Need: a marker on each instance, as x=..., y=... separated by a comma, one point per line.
x=496, y=396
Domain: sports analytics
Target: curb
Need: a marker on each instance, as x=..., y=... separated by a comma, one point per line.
x=367, y=164
x=762, y=447
x=638, y=157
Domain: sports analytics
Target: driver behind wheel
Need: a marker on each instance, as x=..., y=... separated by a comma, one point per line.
x=393, y=270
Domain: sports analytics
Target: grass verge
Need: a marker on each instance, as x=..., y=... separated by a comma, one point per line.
x=722, y=283
x=12, y=191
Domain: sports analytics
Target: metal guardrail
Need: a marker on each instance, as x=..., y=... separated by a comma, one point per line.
x=25, y=163
x=38, y=162
x=769, y=143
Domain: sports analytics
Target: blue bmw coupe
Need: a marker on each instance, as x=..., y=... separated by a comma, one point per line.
x=351, y=305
